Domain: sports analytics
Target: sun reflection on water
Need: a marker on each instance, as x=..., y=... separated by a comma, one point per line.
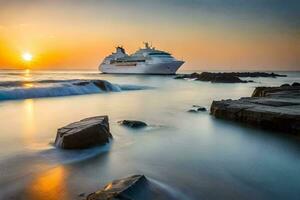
x=28, y=85
x=50, y=185
x=28, y=124
x=27, y=76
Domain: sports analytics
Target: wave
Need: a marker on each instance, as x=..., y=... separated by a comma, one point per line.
x=11, y=90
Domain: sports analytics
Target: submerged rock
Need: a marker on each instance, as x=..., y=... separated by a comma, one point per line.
x=119, y=189
x=276, y=108
x=197, y=108
x=84, y=133
x=101, y=84
x=81, y=194
x=133, y=123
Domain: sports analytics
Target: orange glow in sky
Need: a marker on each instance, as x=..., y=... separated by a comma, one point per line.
x=70, y=35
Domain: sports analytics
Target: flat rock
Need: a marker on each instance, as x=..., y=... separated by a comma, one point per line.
x=119, y=189
x=84, y=133
x=133, y=123
x=276, y=108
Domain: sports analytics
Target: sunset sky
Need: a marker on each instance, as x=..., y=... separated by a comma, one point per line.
x=207, y=34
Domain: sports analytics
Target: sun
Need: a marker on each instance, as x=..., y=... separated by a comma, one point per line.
x=27, y=56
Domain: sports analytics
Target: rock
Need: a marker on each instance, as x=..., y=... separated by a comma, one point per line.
x=190, y=76
x=213, y=77
x=84, y=133
x=133, y=123
x=197, y=108
x=225, y=78
x=101, y=84
x=256, y=74
x=285, y=85
x=202, y=109
x=228, y=77
x=276, y=91
x=219, y=78
x=276, y=108
x=296, y=84
x=119, y=189
x=81, y=194
x=259, y=92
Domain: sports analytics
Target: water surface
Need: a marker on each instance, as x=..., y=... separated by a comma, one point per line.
x=194, y=155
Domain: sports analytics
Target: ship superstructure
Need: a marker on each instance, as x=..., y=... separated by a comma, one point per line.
x=147, y=60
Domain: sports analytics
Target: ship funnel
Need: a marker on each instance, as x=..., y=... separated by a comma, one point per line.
x=120, y=49
x=147, y=46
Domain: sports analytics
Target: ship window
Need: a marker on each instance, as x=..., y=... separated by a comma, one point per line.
x=127, y=61
x=160, y=53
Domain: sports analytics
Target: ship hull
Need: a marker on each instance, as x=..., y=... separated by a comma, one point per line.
x=166, y=68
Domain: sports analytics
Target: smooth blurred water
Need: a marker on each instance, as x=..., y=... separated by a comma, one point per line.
x=196, y=155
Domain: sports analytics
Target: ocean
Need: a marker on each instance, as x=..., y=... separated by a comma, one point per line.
x=191, y=156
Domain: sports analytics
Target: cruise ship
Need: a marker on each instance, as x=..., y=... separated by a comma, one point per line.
x=147, y=60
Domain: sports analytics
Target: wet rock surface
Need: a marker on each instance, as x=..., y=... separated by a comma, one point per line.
x=119, y=189
x=133, y=123
x=276, y=108
x=230, y=77
x=84, y=133
x=136, y=187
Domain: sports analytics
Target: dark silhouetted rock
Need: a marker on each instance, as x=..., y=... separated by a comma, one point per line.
x=212, y=77
x=276, y=108
x=296, y=84
x=133, y=123
x=228, y=77
x=197, y=108
x=81, y=195
x=256, y=74
x=122, y=189
x=83, y=134
x=200, y=108
x=285, y=85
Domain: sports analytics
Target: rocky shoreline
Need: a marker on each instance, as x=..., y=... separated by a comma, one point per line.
x=227, y=77
x=274, y=108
